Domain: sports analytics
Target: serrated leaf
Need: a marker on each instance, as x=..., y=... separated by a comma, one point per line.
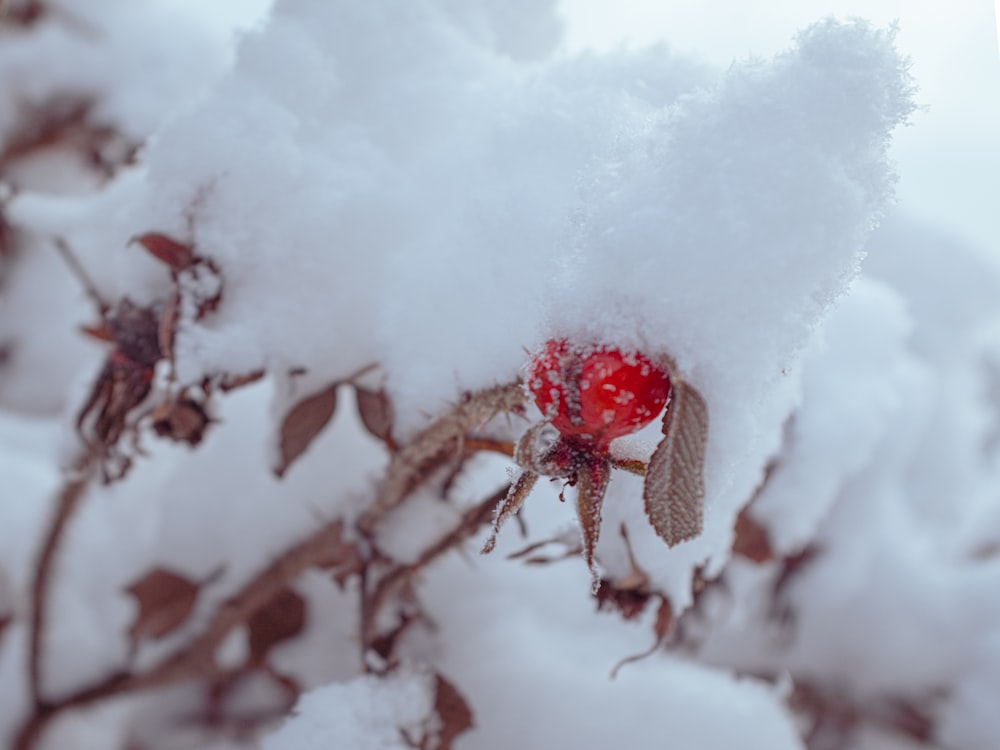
x=165, y=601
x=281, y=619
x=303, y=423
x=166, y=250
x=375, y=411
x=674, y=488
x=453, y=712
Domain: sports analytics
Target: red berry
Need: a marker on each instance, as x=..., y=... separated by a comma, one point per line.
x=597, y=394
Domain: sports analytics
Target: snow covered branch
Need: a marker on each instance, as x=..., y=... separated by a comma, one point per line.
x=295, y=321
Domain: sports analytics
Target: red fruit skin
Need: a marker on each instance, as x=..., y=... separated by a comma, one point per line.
x=597, y=394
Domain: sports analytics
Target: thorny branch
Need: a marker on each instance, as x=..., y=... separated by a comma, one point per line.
x=196, y=659
x=398, y=576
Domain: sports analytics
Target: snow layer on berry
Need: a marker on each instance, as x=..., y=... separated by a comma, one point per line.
x=724, y=231
x=429, y=169
x=367, y=713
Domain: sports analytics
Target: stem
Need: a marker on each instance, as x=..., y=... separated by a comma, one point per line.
x=77, y=269
x=197, y=658
x=476, y=444
x=66, y=505
x=476, y=516
x=631, y=465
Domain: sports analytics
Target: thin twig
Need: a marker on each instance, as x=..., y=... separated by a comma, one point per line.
x=470, y=522
x=477, y=444
x=67, y=503
x=77, y=269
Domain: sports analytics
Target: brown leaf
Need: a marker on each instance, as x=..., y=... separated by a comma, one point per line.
x=303, y=423
x=751, y=540
x=165, y=601
x=454, y=713
x=101, y=332
x=176, y=255
x=375, y=411
x=791, y=567
x=629, y=602
x=630, y=593
x=281, y=619
x=674, y=488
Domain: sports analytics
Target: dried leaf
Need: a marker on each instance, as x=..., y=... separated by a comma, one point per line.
x=24, y=14
x=101, y=332
x=303, y=423
x=281, y=619
x=165, y=601
x=176, y=255
x=375, y=411
x=454, y=713
x=791, y=567
x=674, y=487
x=136, y=332
x=629, y=594
x=629, y=602
x=751, y=540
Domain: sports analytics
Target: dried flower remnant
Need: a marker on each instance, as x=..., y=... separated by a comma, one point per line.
x=126, y=378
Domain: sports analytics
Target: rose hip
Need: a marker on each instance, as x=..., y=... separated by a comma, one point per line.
x=597, y=394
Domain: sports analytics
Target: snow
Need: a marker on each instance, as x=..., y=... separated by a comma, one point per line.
x=425, y=192
x=366, y=713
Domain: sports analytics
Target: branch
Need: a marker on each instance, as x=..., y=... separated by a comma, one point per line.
x=197, y=658
x=397, y=577
x=66, y=505
x=439, y=443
